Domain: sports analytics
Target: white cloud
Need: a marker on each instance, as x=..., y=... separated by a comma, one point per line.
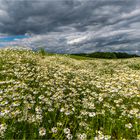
x=131, y=14
x=76, y=40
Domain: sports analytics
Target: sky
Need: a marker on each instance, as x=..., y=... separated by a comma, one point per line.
x=71, y=26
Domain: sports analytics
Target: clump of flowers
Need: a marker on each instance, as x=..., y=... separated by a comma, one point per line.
x=54, y=130
x=57, y=97
x=42, y=131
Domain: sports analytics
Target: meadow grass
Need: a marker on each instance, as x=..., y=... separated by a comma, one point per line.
x=59, y=97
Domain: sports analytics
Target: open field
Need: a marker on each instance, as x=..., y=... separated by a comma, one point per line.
x=59, y=97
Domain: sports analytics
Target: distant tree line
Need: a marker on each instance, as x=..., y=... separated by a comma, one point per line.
x=108, y=55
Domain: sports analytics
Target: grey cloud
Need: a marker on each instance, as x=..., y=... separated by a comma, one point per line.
x=45, y=15
x=72, y=26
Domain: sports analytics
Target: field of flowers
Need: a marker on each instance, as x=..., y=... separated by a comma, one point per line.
x=57, y=97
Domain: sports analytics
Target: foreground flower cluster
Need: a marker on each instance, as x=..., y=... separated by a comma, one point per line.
x=57, y=97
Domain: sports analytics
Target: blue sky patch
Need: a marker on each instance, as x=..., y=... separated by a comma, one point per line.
x=12, y=38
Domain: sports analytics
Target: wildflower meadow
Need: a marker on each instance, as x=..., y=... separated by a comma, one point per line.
x=59, y=97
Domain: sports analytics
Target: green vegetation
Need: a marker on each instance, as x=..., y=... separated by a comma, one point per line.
x=108, y=55
x=48, y=96
x=135, y=66
x=42, y=51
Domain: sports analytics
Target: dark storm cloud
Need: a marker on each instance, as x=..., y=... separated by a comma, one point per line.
x=37, y=16
x=73, y=25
